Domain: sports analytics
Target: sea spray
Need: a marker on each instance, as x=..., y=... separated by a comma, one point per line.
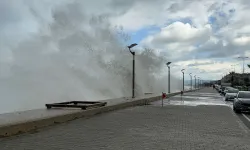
x=76, y=56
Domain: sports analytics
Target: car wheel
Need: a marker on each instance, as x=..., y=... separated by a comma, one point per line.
x=236, y=110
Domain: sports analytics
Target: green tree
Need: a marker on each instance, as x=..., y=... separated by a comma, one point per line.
x=247, y=81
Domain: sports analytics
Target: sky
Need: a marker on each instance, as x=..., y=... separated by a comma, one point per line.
x=204, y=37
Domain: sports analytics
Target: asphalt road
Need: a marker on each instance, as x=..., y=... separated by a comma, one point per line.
x=245, y=116
x=198, y=120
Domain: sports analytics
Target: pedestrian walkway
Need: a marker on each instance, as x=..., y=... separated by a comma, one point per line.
x=206, y=96
x=181, y=127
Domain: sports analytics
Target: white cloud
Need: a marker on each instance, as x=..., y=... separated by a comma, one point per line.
x=146, y=13
x=178, y=38
x=180, y=32
x=209, y=68
x=241, y=41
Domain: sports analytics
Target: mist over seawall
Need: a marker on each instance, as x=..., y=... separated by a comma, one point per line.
x=75, y=56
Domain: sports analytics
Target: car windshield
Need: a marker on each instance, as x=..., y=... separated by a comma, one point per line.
x=233, y=91
x=244, y=95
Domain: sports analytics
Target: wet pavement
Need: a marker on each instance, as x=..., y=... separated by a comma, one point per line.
x=198, y=120
x=206, y=96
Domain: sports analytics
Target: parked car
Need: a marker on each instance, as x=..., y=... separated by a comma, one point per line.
x=242, y=102
x=217, y=87
x=221, y=89
x=224, y=89
x=231, y=94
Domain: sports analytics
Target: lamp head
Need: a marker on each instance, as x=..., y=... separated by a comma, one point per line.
x=168, y=63
x=132, y=45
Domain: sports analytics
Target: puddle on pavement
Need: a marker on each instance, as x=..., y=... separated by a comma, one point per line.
x=193, y=100
x=193, y=103
x=188, y=103
x=194, y=97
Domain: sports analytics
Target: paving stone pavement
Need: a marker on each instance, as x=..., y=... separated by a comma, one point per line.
x=146, y=127
x=173, y=127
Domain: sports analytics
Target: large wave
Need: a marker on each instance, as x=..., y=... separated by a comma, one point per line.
x=76, y=57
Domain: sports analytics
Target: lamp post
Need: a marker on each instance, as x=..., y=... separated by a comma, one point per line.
x=198, y=83
x=201, y=83
x=183, y=79
x=133, y=78
x=191, y=80
x=168, y=63
x=195, y=82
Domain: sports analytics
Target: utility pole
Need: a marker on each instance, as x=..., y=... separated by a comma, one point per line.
x=233, y=67
x=243, y=63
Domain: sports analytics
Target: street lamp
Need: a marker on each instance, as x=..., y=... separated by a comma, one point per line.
x=133, y=78
x=198, y=83
x=183, y=79
x=201, y=83
x=168, y=63
x=195, y=82
x=191, y=81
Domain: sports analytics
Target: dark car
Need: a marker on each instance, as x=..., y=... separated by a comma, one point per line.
x=222, y=88
x=242, y=102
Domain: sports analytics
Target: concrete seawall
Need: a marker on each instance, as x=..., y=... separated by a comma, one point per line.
x=22, y=125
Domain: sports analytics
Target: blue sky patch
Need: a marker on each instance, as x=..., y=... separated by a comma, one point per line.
x=139, y=35
x=183, y=20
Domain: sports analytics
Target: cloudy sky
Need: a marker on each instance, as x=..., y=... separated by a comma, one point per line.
x=203, y=36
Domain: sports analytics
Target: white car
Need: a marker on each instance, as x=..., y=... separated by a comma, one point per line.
x=231, y=94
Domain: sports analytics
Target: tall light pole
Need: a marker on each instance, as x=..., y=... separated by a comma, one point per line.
x=191, y=81
x=168, y=63
x=198, y=82
x=133, y=78
x=183, y=79
x=201, y=83
x=243, y=63
x=195, y=82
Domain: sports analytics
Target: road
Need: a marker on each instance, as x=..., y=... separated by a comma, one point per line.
x=198, y=120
